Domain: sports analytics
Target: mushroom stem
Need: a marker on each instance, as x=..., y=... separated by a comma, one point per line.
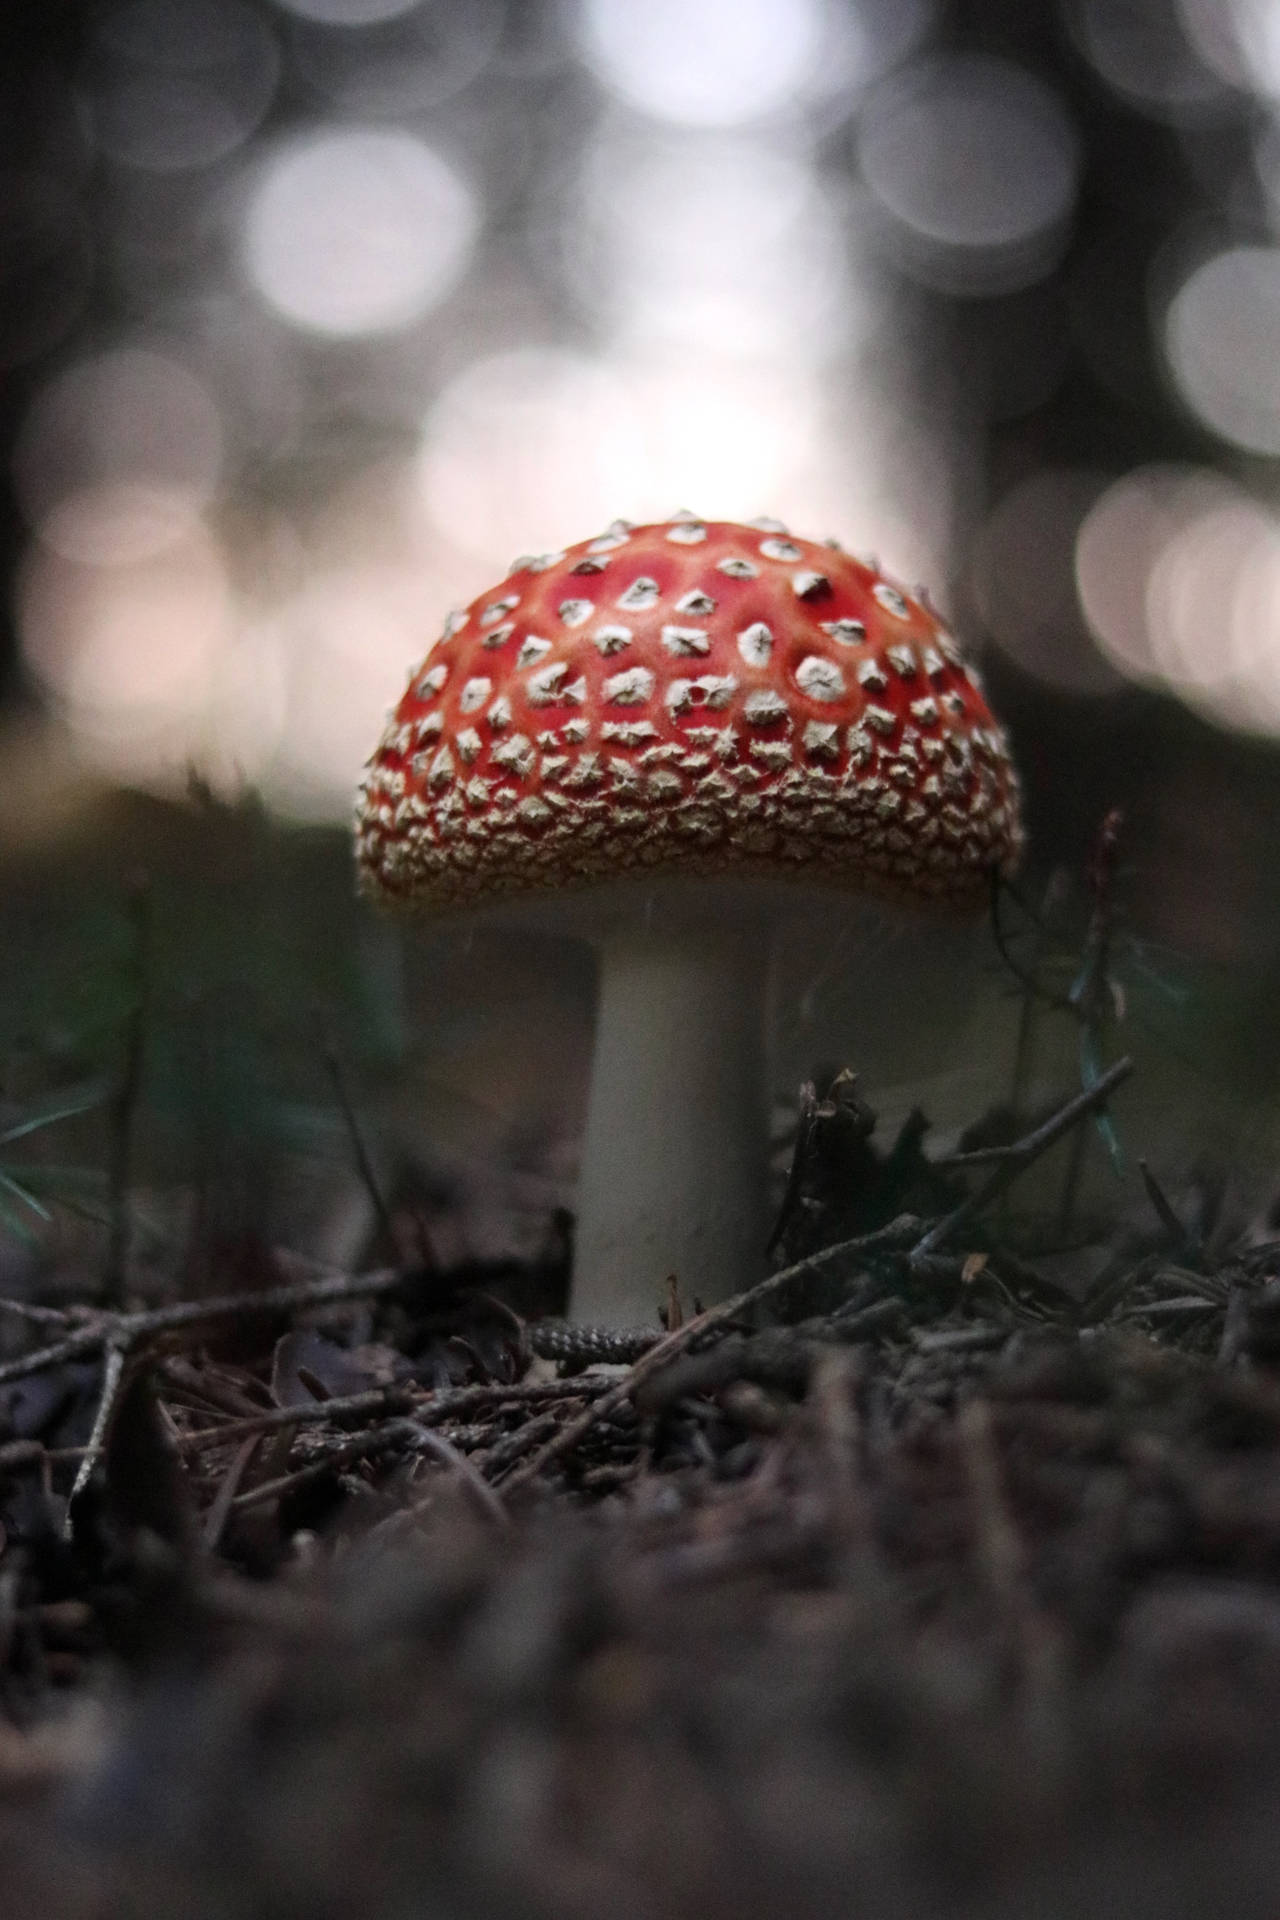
x=674, y=1176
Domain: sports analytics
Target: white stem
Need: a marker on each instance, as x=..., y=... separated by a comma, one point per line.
x=674, y=1172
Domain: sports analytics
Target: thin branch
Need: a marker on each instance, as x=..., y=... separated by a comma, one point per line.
x=469, y=1479
x=430, y=1407
x=113, y=1381
x=796, y=1171
x=359, y=1446
x=364, y=1165
x=128, y=1329
x=1022, y=1153
x=1059, y=1002
x=1178, y=1234
x=228, y=1487
x=39, y=1316
x=896, y=1236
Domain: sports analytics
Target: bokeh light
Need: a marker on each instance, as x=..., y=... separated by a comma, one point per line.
x=1178, y=572
x=1266, y=160
x=1023, y=577
x=128, y=652
x=118, y=456
x=400, y=62
x=712, y=241
x=349, y=13
x=1119, y=542
x=705, y=63
x=247, y=361
x=356, y=231
x=867, y=39
x=1240, y=39
x=1142, y=50
x=528, y=450
x=973, y=165
x=247, y=236
x=1222, y=340
x=179, y=83
x=340, y=648
x=523, y=449
x=1213, y=609
x=535, y=447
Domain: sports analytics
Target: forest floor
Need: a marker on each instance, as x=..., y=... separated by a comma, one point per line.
x=929, y=1576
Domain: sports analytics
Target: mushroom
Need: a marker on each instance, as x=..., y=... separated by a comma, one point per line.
x=662, y=718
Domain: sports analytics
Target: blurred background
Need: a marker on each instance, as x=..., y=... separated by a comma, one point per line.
x=314, y=313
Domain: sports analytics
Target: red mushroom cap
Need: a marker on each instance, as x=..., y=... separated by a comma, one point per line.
x=690, y=696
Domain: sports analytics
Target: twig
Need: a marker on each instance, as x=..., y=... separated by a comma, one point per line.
x=130, y=1329
x=364, y=1166
x=796, y=1171
x=220, y=1512
x=510, y=1447
x=38, y=1316
x=400, y=1397
x=1029, y=981
x=897, y=1235
x=207, y=1392
x=467, y=1475
x=113, y=1379
x=1022, y=1154
x=1187, y=1305
x=1032, y=998
x=358, y=1447
x=1071, y=1178
x=1094, y=996
x=362, y=1446
x=1235, y=1327
x=972, y=1160
x=1178, y=1234
x=395, y=1525
x=1020, y=1076
x=958, y=1339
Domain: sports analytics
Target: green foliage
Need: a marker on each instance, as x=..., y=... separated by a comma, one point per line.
x=33, y=1189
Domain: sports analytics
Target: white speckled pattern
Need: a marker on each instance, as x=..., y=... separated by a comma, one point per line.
x=696, y=696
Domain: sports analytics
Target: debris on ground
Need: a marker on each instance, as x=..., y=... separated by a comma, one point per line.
x=911, y=1581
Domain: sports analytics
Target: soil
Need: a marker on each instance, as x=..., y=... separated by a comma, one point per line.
x=926, y=1578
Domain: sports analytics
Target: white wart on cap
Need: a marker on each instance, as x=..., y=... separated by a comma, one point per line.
x=695, y=697
x=689, y=698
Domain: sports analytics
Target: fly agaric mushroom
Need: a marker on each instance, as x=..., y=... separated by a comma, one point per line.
x=682, y=704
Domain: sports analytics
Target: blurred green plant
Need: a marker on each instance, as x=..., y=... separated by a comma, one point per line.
x=1098, y=975
x=36, y=1189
